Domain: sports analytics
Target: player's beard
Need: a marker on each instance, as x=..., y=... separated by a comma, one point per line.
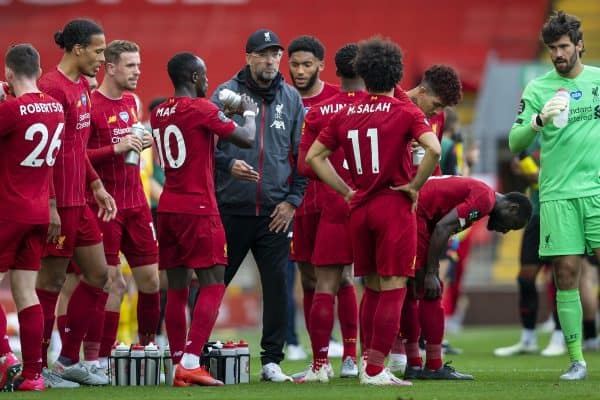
x=568, y=66
x=309, y=83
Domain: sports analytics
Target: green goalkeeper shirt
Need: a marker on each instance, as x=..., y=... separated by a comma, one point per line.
x=570, y=157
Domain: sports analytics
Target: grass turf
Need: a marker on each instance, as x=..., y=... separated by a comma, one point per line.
x=521, y=377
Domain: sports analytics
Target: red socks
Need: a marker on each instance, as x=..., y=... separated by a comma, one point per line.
x=368, y=306
x=109, y=332
x=148, y=314
x=321, y=322
x=84, y=299
x=175, y=321
x=205, y=316
x=348, y=316
x=386, y=324
x=432, y=323
x=31, y=323
x=307, y=301
x=48, y=303
x=93, y=336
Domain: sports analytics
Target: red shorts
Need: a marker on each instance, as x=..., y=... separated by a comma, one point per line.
x=193, y=241
x=333, y=245
x=131, y=232
x=384, y=236
x=22, y=245
x=78, y=228
x=303, y=239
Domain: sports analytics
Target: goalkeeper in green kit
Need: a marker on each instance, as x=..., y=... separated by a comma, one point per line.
x=570, y=168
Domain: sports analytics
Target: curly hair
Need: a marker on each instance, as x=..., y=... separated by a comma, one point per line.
x=525, y=207
x=309, y=44
x=559, y=24
x=344, y=60
x=444, y=83
x=379, y=63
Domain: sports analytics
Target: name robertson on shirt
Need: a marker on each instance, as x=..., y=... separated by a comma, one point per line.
x=33, y=108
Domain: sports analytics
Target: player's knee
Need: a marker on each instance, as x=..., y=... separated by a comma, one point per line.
x=150, y=284
x=97, y=277
x=308, y=282
x=566, y=276
x=52, y=282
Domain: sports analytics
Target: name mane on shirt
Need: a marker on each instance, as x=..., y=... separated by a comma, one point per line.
x=32, y=108
x=166, y=111
x=368, y=108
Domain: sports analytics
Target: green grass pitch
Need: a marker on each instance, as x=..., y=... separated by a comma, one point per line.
x=522, y=377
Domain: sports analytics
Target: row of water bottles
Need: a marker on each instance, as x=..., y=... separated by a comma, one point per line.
x=139, y=365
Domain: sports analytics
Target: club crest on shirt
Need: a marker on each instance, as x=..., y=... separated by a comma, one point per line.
x=124, y=115
x=61, y=242
x=278, y=122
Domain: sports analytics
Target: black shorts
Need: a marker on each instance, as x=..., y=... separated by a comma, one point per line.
x=531, y=242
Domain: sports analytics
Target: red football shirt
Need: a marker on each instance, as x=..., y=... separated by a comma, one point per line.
x=310, y=201
x=472, y=199
x=112, y=121
x=436, y=122
x=315, y=121
x=184, y=130
x=31, y=132
x=374, y=133
x=70, y=167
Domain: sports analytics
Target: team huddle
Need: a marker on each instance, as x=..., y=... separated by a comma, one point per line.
x=337, y=178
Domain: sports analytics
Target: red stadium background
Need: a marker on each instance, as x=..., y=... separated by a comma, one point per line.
x=460, y=33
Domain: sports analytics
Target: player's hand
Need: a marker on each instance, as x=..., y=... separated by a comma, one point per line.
x=282, y=217
x=432, y=286
x=248, y=104
x=348, y=197
x=551, y=109
x=107, y=208
x=147, y=141
x=410, y=191
x=54, y=225
x=244, y=171
x=129, y=142
x=4, y=90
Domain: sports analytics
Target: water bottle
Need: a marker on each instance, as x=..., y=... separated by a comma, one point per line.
x=243, y=364
x=229, y=354
x=152, y=367
x=133, y=157
x=119, y=365
x=417, y=155
x=561, y=120
x=168, y=366
x=230, y=99
x=136, y=366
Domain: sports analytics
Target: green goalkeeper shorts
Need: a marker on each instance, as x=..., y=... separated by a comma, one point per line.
x=569, y=227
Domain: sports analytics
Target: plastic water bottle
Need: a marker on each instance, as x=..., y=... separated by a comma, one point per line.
x=417, y=155
x=168, y=366
x=230, y=99
x=119, y=365
x=136, y=366
x=133, y=157
x=561, y=120
x=243, y=364
x=229, y=354
x=152, y=367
